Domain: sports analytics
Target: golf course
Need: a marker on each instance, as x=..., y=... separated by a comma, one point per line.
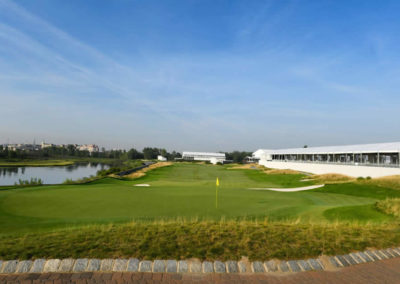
x=183, y=199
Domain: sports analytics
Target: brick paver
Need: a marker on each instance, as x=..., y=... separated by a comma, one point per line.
x=384, y=271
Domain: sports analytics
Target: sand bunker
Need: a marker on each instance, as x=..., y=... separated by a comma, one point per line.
x=291, y=189
x=141, y=184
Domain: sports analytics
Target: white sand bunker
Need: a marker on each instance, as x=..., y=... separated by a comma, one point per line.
x=291, y=189
x=141, y=184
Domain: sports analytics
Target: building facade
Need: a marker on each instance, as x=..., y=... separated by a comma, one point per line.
x=360, y=160
x=213, y=158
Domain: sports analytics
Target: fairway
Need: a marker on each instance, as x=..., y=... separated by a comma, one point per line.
x=186, y=190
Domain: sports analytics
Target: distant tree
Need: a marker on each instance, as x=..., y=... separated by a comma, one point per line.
x=134, y=154
x=150, y=153
x=237, y=156
x=305, y=146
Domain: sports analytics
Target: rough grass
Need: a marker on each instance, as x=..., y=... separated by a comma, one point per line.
x=332, y=178
x=389, y=182
x=281, y=172
x=207, y=240
x=142, y=172
x=244, y=167
x=390, y=206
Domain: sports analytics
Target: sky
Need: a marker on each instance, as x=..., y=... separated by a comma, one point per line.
x=200, y=75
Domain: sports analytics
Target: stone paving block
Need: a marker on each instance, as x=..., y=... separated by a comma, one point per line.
x=371, y=255
x=195, y=266
x=243, y=267
x=159, y=266
x=183, y=266
x=391, y=252
x=51, y=265
x=80, y=265
x=357, y=258
x=120, y=265
x=66, y=265
x=335, y=262
x=315, y=264
x=271, y=266
x=133, y=265
x=283, y=266
x=294, y=266
x=24, y=266
x=380, y=255
x=232, y=267
x=397, y=250
x=395, y=253
x=1, y=265
x=219, y=267
x=172, y=266
x=342, y=260
x=304, y=265
x=257, y=267
x=349, y=259
x=145, y=266
x=208, y=267
x=387, y=254
x=38, y=266
x=106, y=265
x=93, y=265
x=365, y=257
x=10, y=266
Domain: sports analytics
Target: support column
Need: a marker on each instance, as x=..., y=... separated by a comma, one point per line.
x=378, y=162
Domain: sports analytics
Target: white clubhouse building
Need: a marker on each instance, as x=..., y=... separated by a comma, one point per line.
x=374, y=160
x=213, y=158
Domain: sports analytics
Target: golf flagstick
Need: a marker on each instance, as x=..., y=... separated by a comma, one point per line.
x=216, y=194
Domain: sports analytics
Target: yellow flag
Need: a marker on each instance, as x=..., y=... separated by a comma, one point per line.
x=217, y=182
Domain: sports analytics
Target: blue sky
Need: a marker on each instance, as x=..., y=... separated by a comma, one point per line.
x=200, y=75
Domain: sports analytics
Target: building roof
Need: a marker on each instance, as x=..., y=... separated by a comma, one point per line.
x=362, y=148
x=222, y=155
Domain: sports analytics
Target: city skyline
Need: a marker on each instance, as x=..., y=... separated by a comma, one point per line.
x=200, y=75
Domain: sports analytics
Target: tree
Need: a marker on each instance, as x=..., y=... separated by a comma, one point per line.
x=150, y=153
x=134, y=154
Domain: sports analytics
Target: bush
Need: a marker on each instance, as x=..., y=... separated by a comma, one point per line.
x=32, y=181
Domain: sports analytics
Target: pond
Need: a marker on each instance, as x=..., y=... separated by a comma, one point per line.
x=49, y=175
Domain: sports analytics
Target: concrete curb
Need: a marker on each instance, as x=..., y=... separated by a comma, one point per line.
x=193, y=266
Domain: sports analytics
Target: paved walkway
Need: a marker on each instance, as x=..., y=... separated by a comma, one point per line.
x=384, y=271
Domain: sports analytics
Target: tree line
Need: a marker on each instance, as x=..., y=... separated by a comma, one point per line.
x=70, y=151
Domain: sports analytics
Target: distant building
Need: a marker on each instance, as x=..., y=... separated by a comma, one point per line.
x=88, y=147
x=46, y=145
x=161, y=158
x=213, y=158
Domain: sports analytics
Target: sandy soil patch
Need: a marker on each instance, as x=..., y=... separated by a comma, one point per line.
x=291, y=189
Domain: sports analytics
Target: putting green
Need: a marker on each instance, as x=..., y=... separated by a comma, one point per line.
x=184, y=191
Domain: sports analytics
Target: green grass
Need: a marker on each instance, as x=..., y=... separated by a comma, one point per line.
x=56, y=221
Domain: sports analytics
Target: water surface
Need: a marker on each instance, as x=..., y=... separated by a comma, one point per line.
x=49, y=175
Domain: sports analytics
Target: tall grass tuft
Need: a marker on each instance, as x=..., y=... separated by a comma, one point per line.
x=390, y=206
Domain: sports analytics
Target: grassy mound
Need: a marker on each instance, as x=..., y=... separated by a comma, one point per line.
x=388, y=182
x=390, y=206
x=204, y=240
x=332, y=178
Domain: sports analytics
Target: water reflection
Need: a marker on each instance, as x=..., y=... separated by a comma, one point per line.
x=49, y=175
